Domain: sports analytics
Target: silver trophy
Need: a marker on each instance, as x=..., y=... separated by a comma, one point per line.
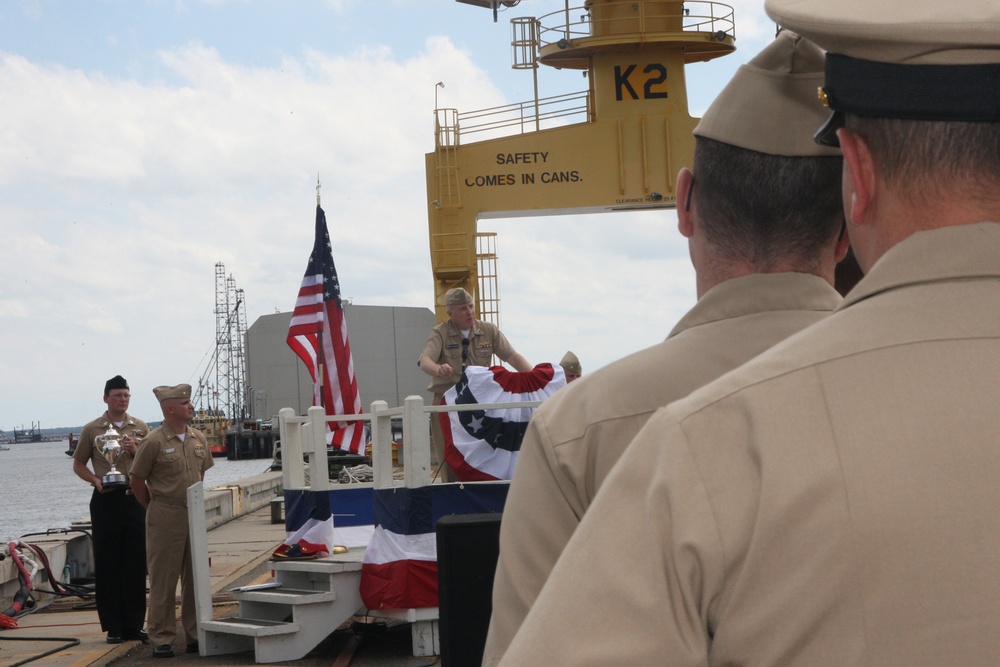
x=112, y=450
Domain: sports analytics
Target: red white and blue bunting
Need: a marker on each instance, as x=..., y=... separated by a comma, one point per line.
x=399, y=569
x=482, y=445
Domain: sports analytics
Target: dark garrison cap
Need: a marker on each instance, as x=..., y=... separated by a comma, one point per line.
x=117, y=382
x=904, y=59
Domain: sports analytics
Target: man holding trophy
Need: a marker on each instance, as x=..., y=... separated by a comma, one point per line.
x=118, y=520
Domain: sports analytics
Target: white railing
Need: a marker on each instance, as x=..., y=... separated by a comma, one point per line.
x=300, y=438
x=303, y=436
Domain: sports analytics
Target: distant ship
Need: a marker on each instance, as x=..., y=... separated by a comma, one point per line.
x=34, y=435
x=215, y=425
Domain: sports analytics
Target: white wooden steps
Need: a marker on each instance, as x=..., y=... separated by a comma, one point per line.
x=285, y=623
x=315, y=597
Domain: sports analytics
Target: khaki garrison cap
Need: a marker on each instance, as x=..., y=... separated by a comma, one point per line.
x=571, y=364
x=457, y=296
x=770, y=105
x=163, y=393
x=904, y=59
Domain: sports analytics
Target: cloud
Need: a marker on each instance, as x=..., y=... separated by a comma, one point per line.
x=119, y=195
x=11, y=309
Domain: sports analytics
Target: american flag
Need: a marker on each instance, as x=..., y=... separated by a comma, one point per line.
x=318, y=335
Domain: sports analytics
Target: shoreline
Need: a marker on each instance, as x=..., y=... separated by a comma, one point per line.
x=44, y=494
x=69, y=547
x=239, y=551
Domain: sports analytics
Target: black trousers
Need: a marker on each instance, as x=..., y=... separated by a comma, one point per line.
x=119, y=529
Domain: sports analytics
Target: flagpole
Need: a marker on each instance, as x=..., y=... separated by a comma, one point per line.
x=318, y=326
x=321, y=360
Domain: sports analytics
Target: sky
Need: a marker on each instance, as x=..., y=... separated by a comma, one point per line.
x=142, y=142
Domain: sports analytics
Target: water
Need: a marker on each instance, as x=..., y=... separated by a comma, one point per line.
x=39, y=490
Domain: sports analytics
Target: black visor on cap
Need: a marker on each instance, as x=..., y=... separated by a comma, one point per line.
x=954, y=93
x=968, y=93
x=827, y=135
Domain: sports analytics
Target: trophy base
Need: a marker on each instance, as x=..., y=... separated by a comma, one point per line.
x=114, y=480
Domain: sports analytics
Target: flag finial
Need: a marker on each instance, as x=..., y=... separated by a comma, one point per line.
x=317, y=188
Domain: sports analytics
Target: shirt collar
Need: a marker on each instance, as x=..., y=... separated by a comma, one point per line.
x=106, y=420
x=455, y=331
x=758, y=293
x=948, y=253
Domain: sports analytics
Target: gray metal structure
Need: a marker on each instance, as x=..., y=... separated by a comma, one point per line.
x=221, y=388
x=385, y=344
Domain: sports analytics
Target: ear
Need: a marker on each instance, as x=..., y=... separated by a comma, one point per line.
x=685, y=204
x=859, y=178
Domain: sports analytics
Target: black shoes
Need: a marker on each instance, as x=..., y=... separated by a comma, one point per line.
x=163, y=651
x=166, y=651
x=120, y=637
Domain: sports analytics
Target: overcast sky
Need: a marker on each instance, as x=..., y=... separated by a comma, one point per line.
x=144, y=141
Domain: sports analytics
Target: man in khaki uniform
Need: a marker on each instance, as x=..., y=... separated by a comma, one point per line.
x=456, y=343
x=117, y=519
x=834, y=501
x=764, y=229
x=171, y=458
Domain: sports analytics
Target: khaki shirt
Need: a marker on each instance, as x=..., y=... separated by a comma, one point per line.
x=576, y=436
x=833, y=502
x=169, y=465
x=444, y=346
x=87, y=448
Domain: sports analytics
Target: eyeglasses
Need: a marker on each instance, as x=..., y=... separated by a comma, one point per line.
x=465, y=352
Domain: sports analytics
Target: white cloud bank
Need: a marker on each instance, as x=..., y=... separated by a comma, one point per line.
x=118, y=196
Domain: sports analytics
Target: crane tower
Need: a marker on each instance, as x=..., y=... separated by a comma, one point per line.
x=615, y=146
x=223, y=385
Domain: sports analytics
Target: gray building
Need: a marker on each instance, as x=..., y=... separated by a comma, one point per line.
x=385, y=344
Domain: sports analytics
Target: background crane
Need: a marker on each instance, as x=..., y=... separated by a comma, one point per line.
x=222, y=386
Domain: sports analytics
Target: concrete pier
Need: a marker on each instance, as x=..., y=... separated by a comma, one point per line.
x=240, y=545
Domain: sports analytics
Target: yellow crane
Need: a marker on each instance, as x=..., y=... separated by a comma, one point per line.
x=615, y=146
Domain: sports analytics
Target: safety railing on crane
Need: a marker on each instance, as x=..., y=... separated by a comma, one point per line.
x=615, y=18
x=516, y=118
x=631, y=17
